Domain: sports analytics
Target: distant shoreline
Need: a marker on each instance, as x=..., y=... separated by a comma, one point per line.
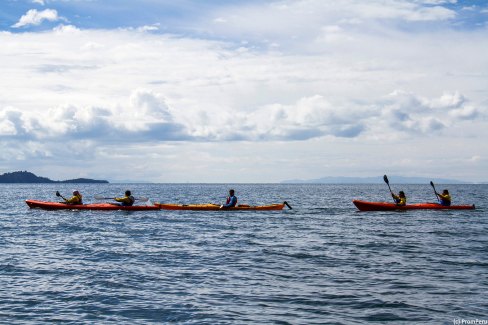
x=395, y=179
x=25, y=177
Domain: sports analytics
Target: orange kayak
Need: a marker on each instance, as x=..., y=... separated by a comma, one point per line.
x=386, y=206
x=93, y=206
x=216, y=207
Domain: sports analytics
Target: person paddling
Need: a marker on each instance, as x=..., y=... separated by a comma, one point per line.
x=77, y=198
x=127, y=200
x=231, y=201
x=400, y=199
x=445, y=198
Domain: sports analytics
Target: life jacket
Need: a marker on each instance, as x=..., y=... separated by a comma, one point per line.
x=229, y=199
x=75, y=199
x=399, y=200
x=128, y=200
x=445, y=199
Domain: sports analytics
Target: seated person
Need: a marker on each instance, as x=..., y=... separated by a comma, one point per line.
x=445, y=198
x=231, y=201
x=127, y=200
x=75, y=199
x=400, y=199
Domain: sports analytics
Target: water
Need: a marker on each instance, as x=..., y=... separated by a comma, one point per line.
x=322, y=262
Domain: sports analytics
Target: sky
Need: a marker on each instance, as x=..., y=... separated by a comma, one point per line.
x=244, y=91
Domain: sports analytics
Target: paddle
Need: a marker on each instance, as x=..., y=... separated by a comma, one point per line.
x=388, y=183
x=100, y=197
x=435, y=192
x=58, y=194
x=289, y=206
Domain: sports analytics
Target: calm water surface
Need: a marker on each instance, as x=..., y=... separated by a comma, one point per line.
x=320, y=263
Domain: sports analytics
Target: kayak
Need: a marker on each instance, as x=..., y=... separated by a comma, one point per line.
x=386, y=206
x=216, y=207
x=92, y=206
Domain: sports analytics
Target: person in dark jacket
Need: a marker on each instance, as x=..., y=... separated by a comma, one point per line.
x=231, y=201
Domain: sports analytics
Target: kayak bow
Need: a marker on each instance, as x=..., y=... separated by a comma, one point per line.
x=385, y=206
x=93, y=206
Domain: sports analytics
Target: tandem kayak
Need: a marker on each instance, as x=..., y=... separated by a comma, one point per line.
x=386, y=206
x=216, y=207
x=93, y=206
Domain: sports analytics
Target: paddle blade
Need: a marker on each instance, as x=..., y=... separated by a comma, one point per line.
x=386, y=180
x=101, y=197
x=289, y=206
x=435, y=192
x=432, y=184
x=57, y=193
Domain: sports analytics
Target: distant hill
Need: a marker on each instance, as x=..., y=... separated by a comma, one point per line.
x=375, y=180
x=28, y=177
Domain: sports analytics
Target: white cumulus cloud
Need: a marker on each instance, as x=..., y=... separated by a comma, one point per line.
x=34, y=17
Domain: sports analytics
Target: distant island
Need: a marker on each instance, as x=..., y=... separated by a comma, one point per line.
x=28, y=177
x=374, y=180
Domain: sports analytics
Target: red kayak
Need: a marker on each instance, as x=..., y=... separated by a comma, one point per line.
x=92, y=206
x=386, y=206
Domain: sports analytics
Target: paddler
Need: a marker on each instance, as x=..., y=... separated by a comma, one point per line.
x=127, y=200
x=400, y=199
x=445, y=198
x=77, y=198
x=231, y=201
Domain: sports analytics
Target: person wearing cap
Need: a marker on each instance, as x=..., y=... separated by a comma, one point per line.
x=127, y=200
x=77, y=198
x=231, y=201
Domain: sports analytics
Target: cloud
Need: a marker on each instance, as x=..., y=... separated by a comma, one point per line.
x=145, y=117
x=341, y=84
x=9, y=122
x=149, y=28
x=309, y=117
x=290, y=22
x=41, y=2
x=148, y=105
x=415, y=116
x=34, y=17
x=14, y=124
x=436, y=2
x=102, y=85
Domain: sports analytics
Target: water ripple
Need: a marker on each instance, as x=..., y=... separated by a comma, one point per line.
x=322, y=262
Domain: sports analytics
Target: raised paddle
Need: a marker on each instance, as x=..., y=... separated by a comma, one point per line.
x=435, y=192
x=100, y=197
x=289, y=206
x=388, y=183
x=59, y=194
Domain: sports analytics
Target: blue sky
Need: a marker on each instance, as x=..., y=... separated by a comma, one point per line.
x=244, y=91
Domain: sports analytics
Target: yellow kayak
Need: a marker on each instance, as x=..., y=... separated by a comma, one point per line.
x=216, y=207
